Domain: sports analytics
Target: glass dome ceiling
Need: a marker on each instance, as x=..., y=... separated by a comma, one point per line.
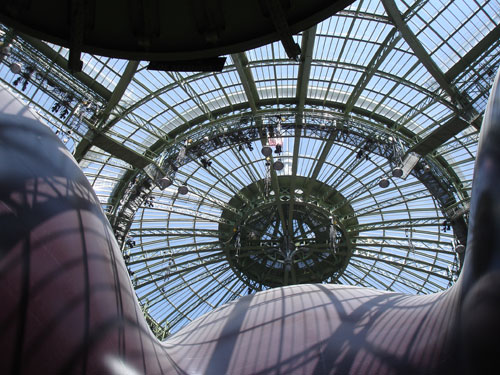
x=379, y=86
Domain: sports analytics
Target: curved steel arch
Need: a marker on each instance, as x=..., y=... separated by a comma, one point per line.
x=432, y=180
x=161, y=144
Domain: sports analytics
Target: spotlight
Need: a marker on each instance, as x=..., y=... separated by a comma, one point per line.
x=6, y=50
x=267, y=151
x=15, y=68
x=427, y=168
x=206, y=139
x=278, y=165
x=183, y=190
x=460, y=249
x=164, y=183
x=383, y=183
x=397, y=172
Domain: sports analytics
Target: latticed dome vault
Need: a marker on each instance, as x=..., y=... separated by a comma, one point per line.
x=371, y=137
x=293, y=239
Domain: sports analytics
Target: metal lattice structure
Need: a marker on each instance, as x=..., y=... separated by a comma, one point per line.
x=379, y=86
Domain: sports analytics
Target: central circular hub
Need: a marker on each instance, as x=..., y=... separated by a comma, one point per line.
x=286, y=238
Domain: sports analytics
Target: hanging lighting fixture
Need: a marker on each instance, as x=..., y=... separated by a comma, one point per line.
x=383, y=183
x=397, y=172
x=182, y=190
x=5, y=52
x=278, y=165
x=267, y=151
x=165, y=182
x=15, y=68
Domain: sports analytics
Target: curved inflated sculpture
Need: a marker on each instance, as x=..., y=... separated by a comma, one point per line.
x=68, y=305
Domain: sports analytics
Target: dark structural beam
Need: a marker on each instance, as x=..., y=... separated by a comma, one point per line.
x=383, y=51
x=241, y=63
x=274, y=9
x=308, y=38
x=423, y=56
x=463, y=107
x=118, y=93
x=246, y=77
x=112, y=99
x=86, y=143
x=118, y=150
x=440, y=135
x=77, y=14
x=476, y=51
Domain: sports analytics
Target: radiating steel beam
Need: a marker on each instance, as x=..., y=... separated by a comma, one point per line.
x=383, y=51
x=278, y=16
x=118, y=150
x=422, y=55
x=295, y=158
x=87, y=141
x=118, y=92
x=483, y=45
x=319, y=162
x=439, y=136
x=308, y=38
x=462, y=105
x=241, y=63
